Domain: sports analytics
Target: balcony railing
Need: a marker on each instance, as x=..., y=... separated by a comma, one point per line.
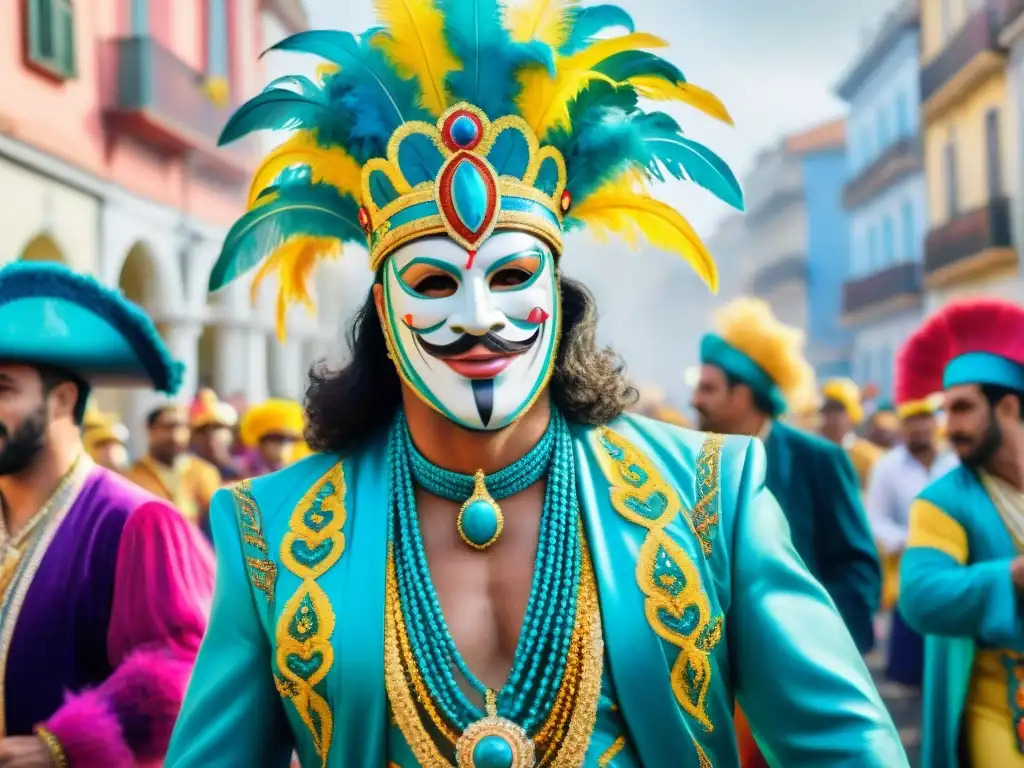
x=881, y=287
x=968, y=235
x=155, y=95
x=786, y=270
x=897, y=162
x=978, y=35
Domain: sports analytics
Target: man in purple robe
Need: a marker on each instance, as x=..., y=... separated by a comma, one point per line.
x=104, y=589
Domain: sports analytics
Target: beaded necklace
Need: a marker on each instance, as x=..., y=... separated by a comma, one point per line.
x=530, y=693
x=480, y=520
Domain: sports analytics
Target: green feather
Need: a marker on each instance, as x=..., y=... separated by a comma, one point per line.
x=277, y=109
x=588, y=23
x=686, y=159
x=316, y=210
x=627, y=64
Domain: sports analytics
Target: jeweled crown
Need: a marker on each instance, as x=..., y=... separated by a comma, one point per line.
x=463, y=177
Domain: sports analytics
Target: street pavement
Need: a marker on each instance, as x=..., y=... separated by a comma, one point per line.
x=904, y=702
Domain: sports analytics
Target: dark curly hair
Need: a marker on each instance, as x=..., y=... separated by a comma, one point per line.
x=347, y=405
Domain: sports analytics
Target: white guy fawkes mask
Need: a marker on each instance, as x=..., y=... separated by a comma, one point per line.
x=475, y=337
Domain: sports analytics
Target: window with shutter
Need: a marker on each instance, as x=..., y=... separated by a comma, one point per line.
x=51, y=36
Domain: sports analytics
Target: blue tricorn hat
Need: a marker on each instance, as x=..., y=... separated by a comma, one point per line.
x=51, y=315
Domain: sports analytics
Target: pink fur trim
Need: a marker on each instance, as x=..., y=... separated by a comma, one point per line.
x=90, y=733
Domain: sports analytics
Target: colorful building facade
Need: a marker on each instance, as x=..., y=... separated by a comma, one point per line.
x=970, y=246
x=822, y=153
x=886, y=196
x=109, y=117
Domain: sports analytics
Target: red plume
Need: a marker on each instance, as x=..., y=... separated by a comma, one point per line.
x=970, y=325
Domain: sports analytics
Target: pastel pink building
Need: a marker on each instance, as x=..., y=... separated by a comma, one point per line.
x=109, y=116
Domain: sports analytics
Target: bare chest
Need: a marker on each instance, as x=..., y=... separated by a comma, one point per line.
x=483, y=594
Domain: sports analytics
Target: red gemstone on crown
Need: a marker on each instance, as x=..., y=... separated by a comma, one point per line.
x=364, y=219
x=566, y=201
x=537, y=316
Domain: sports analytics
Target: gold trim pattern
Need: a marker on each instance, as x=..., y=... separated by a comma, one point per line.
x=11, y=602
x=57, y=754
x=705, y=511
x=261, y=569
x=677, y=607
x=314, y=543
x=609, y=754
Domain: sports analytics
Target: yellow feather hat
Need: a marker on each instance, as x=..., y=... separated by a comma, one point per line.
x=846, y=393
x=751, y=344
x=99, y=428
x=276, y=416
x=208, y=411
x=463, y=118
x=928, y=406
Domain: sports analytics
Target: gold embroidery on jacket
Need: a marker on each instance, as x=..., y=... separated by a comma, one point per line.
x=705, y=511
x=261, y=569
x=313, y=544
x=676, y=605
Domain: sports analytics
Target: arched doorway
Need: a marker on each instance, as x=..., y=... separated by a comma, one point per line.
x=42, y=247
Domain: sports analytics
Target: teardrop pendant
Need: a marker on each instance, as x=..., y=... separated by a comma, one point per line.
x=480, y=519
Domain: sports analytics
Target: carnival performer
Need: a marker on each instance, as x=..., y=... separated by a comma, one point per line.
x=169, y=471
x=897, y=478
x=751, y=364
x=271, y=430
x=962, y=576
x=841, y=413
x=488, y=564
x=104, y=589
x=884, y=426
x=212, y=423
x=105, y=439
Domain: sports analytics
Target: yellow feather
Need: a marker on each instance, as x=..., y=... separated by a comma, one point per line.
x=749, y=325
x=625, y=209
x=543, y=20
x=416, y=45
x=323, y=71
x=331, y=165
x=662, y=90
x=544, y=100
x=293, y=262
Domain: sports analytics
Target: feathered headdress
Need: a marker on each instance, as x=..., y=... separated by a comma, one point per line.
x=210, y=411
x=846, y=393
x=751, y=344
x=460, y=117
x=972, y=341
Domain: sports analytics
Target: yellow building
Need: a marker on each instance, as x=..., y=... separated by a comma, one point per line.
x=967, y=137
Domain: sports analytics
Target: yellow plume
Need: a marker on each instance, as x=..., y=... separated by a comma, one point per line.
x=625, y=209
x=544, y=100
x=325, y=70
x=749, y=325
x=294, y=262
x=846, y=392
x=331, y=165
x=657, y=89
x=543, y=20
x=417, y=47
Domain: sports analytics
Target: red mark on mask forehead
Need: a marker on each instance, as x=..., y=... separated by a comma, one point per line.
x=469, y=261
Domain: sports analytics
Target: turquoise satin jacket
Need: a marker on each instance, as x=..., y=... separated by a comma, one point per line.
x=956, y=588
x=819, y=491
x=703, y=599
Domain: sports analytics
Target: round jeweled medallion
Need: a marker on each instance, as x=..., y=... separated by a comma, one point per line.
x=494, y=742
x=480, y=519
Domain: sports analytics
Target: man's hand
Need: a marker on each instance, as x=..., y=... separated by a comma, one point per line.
x=1016, y=571
x=24, y=752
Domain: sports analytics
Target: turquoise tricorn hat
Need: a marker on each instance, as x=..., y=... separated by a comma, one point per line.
x=716, y=351
x=50, y=315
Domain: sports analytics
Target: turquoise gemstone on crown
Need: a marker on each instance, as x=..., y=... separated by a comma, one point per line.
x=463, y=131
x=469, y=195
x=479, y=522
x=493, y=752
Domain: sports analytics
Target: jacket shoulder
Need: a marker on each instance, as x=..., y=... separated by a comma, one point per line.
x=949, y=491
x=278, y=493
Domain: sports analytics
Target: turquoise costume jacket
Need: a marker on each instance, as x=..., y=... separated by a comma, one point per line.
x=703, y=599
x=819, y=492
x=959, y=592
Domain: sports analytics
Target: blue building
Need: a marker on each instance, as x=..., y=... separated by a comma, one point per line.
x=822, y=154
x=885, y=195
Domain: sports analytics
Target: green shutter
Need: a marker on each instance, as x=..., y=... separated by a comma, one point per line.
x=66, y=27
x=51, y=35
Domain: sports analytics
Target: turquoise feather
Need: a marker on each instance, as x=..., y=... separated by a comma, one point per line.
x=279, y=109
x=316, y=210
x=627, y=64
x=588, y=23
x=299, y=83
x=478, y=39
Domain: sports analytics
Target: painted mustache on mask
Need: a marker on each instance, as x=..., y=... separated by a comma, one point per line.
x=489, y=341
